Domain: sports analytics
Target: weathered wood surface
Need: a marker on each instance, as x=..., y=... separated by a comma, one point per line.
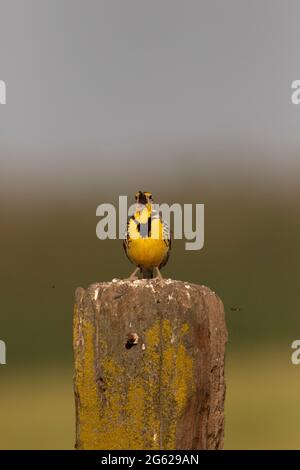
x=149, y=366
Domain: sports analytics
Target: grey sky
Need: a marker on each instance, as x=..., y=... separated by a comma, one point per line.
x=118, y=78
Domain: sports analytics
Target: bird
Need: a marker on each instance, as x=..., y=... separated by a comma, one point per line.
x=147, y=241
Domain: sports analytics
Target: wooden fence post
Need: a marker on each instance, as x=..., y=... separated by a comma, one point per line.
x=149, y=366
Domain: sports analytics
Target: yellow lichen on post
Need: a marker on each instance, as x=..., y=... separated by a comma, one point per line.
x=120, y=416
x=135, y=415
x=136, y=396
x=177, y=379
x=86, y=386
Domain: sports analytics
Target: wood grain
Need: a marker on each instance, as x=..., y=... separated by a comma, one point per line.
x=149, y=366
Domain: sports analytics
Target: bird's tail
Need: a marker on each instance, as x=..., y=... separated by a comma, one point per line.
x=147, y=273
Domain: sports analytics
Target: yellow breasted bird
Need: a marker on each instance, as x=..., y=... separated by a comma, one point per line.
x=147, y=243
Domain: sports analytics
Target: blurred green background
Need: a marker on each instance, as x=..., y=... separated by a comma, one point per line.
x=191, y=101
x=250, y=258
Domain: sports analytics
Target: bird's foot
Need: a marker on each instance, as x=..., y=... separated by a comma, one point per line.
x=158, y=274
x=133, y=276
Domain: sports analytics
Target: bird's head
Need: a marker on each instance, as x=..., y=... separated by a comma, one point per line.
x=143, y=200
